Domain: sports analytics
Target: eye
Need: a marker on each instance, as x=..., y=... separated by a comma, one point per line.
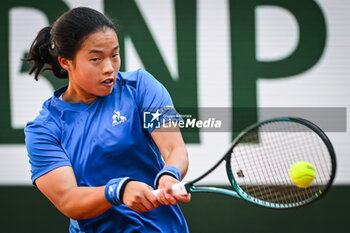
x=115, y=55
x=95, y=59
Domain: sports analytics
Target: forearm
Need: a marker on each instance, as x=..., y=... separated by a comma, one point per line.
x=177, y=157
x=172, y=148
x=83, y=202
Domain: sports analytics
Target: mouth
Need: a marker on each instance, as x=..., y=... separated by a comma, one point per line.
x=108, y=82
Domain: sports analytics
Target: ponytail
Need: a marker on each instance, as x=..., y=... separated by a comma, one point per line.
x=44, y=51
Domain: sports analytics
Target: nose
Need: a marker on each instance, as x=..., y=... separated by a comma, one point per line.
x=108, y=67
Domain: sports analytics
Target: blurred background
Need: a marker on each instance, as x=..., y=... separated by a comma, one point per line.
x=273, y=57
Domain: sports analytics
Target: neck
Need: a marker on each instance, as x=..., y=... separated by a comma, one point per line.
x=75, y=95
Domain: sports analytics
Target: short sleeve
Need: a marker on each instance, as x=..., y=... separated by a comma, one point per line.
x=44, y=150
x=154, y=101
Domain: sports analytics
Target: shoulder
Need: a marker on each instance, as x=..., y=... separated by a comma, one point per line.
x=46, y=122
x=135, y=75
x=141, y=81
x=138, y=78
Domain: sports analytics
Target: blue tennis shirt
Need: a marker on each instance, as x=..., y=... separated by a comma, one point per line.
x=106, y=140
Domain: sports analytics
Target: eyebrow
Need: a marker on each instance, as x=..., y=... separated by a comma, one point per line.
x=100, y=51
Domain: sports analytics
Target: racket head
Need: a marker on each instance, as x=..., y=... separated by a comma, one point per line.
x=260, y=158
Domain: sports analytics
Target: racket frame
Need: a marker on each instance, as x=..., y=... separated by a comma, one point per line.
x=238, y=192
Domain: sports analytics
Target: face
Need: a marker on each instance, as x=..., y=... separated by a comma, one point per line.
x=93, y=70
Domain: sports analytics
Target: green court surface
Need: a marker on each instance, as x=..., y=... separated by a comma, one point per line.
x=25, y=209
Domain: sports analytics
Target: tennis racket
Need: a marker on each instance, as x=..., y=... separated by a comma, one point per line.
x=259, y=160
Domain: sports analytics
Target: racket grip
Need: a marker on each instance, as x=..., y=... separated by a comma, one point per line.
x=178, y=188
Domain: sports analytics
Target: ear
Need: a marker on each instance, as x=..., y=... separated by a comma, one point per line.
x=65, y=63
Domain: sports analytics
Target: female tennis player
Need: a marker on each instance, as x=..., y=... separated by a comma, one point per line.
x=89, y=152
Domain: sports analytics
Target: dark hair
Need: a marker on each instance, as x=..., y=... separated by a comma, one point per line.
x=64, y=38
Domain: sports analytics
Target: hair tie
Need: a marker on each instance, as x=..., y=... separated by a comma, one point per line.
x=52, y=42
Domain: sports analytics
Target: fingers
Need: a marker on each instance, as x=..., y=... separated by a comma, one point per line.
x=151, y=200
x=143, y=206
x=138, y=196
x=166, y=198
x=166, y=195
x=183, y=197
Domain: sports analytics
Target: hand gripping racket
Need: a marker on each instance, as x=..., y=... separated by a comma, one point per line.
x=259, y=160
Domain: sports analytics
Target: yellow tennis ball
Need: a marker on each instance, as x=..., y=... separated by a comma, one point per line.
x=302, y=174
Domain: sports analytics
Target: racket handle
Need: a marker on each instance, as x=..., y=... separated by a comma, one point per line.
x=178, y=188
x=155, y=192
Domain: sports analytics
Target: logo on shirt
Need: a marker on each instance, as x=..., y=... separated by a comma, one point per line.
x=151, y=120
x=117, y=118
x=111, y=190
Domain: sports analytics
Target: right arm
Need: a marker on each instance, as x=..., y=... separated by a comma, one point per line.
x=60, y=187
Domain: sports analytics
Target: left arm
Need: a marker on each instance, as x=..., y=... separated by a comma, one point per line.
x=174, y=153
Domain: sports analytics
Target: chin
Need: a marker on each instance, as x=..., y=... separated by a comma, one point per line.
x=105, y=93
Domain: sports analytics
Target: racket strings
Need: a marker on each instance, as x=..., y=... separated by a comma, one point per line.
x=280, y=195
x=272, y=139
x=261, y=160
x=265, y=190
x=323, y=164
x=302, y=195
